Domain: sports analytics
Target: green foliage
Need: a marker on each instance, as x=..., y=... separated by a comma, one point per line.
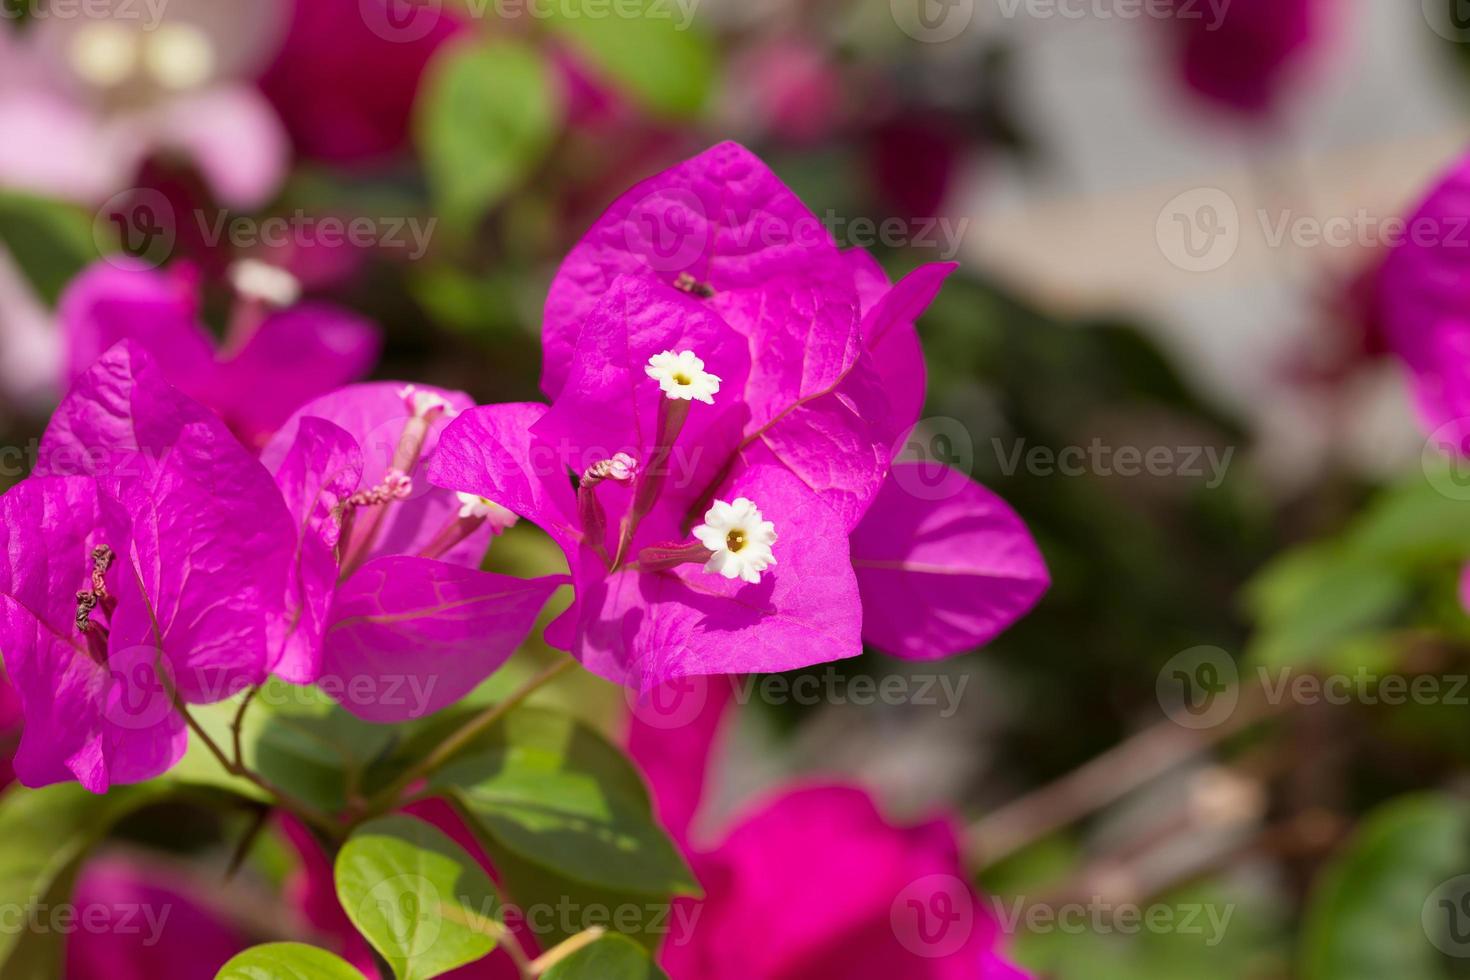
x=44, y=835
x=610, y=958
x=287, y=961
x=422, y=902
x=1372, y=909
x=50, y=241
x=486, y=117
x=295, y=737
x=1323, y=602
x=669, y=67
x=552, y=791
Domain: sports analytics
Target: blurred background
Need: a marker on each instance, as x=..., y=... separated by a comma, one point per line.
x=1233, y=740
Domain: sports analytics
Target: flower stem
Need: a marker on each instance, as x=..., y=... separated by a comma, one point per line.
x=445, y=752
x=286, y=801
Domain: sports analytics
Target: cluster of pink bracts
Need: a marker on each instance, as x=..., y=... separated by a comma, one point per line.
x=728, y=392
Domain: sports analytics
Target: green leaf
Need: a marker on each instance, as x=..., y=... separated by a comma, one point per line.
x=50, y=241
x=287, y=961
x=667, y=65
x=44, y=835
x=1419, y=522
x=486, y=117
x=1369, y=916
x=559, y=795
x=1312, y=602
x=422, y=902
x=612, y=957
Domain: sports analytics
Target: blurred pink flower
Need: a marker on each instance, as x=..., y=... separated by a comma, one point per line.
x=1424, y=300
x=157, y=926
x=788, y=87
x=278, y=353
x=345, y=80
x=1241, y=56
x=816, y=883
x=87, y=100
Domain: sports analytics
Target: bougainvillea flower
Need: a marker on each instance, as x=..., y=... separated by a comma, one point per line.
x=347, y=75
x=1424, y=299
x=390, y=605
x=1240, y=56
x=89, y=99
x=156, y=926
x=147, y=562
x=277, y=354
x=712, y=281
x=833, y=889
x=830, y=886
x=656, y=600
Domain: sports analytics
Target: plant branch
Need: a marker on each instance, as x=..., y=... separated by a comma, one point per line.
x=446, y=750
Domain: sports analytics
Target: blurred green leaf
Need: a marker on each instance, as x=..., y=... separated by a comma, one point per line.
x=486, y=117
x=668, y=66
x=550, y=789
x=418, y=897
x=44, y=836
x=610, y=958
x=287, y=961
x=49, y=240
x=1311, y=600
x=1366, y=917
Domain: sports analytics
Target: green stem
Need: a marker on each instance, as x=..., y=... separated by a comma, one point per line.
x=445, y=752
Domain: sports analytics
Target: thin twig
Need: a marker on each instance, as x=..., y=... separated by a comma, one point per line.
x=446, y=750
x=237, y=726
x=1107, y=779
x=285, y=800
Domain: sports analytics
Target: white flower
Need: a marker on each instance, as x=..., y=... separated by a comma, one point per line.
x=270, y=284
x=740, y=539
x=682, y=376
x=472, y=507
